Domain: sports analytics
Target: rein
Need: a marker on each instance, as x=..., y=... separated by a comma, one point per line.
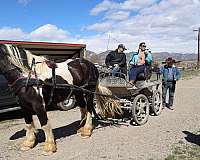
x=23, y=81
x=81, y=88
x=33, y=70
x=13, y=84
x=54, y=83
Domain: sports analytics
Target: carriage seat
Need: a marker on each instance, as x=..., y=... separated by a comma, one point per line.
x=141, y=77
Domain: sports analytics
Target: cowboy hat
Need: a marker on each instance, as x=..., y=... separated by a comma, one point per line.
x=170, y=59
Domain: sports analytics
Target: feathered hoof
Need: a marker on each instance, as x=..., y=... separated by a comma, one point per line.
x=27, y=145
x=86, y=132
x=50, y=147
x=80, y=130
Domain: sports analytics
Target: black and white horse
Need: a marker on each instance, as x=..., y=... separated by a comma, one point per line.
x=79, y=72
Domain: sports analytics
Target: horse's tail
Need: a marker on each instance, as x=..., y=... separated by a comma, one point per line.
x=107, y=106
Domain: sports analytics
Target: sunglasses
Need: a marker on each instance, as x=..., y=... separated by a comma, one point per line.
x=143, y=46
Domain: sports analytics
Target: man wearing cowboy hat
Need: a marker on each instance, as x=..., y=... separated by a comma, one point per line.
x=170, y=75
x=117, y=60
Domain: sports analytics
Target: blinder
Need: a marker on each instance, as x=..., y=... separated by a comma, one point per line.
x=51, y=64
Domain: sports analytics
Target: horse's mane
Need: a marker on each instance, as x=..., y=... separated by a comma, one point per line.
x=40, y=66
x=18, y=63
x=42, y=70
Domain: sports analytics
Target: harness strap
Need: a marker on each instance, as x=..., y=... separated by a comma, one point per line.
x=36, y=77
x=54, y=84
x=13, y=84
x=71, y=91
x=29, y=74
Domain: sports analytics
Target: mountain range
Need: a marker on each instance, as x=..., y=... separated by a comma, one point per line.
x=157, y=56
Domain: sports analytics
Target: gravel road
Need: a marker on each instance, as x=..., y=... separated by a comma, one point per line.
x=153, y=140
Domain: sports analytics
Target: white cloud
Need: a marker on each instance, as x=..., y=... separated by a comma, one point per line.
x=118, y=15
x=166, y=25
x=136, y=4
x=103, y=6
x=24, y=2
x=95, y=43
x=12, y=33
x=101, y=27
x=196, y=1
x=133, y=5
x=48, y=32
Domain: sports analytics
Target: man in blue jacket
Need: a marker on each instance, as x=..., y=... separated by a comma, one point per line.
x=139, y=61
x=170, y=75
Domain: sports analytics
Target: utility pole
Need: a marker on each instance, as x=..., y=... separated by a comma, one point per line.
x=198, y=45
x=108, y=40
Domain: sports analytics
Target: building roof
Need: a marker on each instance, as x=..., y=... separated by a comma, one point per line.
x=47, y=48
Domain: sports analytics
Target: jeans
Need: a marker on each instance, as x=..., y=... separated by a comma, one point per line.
x=134, y=71
x=169, y=85
x=115, y=71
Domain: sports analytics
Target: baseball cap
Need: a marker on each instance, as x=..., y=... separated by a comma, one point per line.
x=122, y=46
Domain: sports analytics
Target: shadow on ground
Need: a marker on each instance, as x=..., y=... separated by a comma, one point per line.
x=60, y=132
x=192, y=138
x=17, y=114
x=11, y=115
x=64, y=131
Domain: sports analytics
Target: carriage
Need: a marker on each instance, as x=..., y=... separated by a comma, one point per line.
x=137, y=103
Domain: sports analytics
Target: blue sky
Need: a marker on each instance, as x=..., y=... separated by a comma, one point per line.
x=68, y=15
x=163, y=24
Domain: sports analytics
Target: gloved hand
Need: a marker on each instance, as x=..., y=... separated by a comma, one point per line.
x=110, y=67
x=116, y=65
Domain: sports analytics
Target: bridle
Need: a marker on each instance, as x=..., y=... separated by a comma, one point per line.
x=13, y=67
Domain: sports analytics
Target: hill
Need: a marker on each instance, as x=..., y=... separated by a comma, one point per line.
x=158, y=56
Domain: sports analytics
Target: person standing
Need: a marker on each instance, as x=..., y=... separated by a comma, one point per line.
x=170, y=75
x=117, y=60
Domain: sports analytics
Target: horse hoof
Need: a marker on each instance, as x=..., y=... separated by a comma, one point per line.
x=47, y=153
x=86, y=132
x=50, y=147
x=80, y=130
x=24, y=148
x=27, y=145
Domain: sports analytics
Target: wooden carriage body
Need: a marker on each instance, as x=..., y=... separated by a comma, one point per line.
x=140, y=101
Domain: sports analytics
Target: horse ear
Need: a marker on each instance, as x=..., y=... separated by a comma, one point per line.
x=2, y=51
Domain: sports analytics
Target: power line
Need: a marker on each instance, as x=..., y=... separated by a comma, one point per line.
x=111, y=38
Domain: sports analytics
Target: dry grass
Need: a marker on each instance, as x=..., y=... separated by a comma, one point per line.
x=185, y=151
x=187, y=74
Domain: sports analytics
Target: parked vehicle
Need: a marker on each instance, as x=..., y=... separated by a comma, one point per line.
x=8, y=101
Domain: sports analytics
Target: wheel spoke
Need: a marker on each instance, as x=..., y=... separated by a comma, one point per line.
x=156, y=104
x=140, y=109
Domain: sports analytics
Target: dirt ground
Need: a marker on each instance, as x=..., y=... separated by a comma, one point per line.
x=153, y=140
